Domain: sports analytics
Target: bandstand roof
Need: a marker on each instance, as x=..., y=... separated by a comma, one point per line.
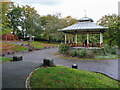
x=84, y=25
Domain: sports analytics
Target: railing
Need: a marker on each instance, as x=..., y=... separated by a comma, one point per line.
x=81, y=45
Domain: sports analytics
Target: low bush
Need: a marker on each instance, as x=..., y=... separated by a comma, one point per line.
x=113, y=50
x=63, y=48
x=106, y=49
x=74, y=53
x=9, y=37
x=83, y=53
x=95, y=50
x=109, y=49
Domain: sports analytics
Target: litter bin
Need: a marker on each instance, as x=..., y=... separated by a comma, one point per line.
x=75, y=66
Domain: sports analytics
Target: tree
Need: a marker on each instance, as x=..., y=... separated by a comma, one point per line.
x=53, y=23
x=26, y=12
x=14, y=18
x=51, y=26
x=6, y=8
x=69, y=21
x=33, y=24
x=112, y=34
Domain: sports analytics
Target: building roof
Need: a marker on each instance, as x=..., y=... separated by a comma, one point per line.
x=85, y=19
x=84, y=25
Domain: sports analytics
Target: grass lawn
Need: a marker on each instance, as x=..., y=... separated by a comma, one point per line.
x=12, y=47
x=36, y=45
x=5, y=59
x=108, y=56
x=15, y=47
x=64, y=77
x=41, y=44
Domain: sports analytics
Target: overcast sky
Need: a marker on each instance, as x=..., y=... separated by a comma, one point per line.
x=95, y=9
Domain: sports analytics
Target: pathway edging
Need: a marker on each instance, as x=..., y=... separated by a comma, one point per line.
x=27, y=83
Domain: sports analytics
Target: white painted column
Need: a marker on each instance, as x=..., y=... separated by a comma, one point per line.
x=76, y=40
x=83, y=40
x=92, y=39
x=87, y=40
x=72, y=39
x=65, y=38
x=101, y=39
x=69, y=38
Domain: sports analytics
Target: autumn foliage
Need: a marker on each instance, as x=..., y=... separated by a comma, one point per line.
x=10, y=37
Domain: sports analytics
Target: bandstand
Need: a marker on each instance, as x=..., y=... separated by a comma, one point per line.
x=84, y=26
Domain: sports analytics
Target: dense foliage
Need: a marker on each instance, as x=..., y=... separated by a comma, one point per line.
x=25, y=22
x=63, y=48
x=112, y=34
x=10, y=37
x=109, y=49
x=83, y=53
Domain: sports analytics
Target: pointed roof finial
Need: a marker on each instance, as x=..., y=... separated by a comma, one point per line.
x=85, y=12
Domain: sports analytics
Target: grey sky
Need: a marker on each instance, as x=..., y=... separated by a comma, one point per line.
x=75, y=8
x=41, y=2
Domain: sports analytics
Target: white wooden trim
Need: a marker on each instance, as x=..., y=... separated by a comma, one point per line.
x=69, y=37
x=101, y=38
x=87, y=38
x=76, y=38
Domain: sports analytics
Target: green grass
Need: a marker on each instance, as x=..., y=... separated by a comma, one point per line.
x=106, y=57
x=46, y=42
x=13, y=47
x=36, y=45
x=64, y=77
x=40, y=44
x=19, y=48
x=5, y=59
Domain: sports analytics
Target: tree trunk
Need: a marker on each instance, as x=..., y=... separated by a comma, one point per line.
x=6, y=38
x=49, y=40
x=13, y=32
x=30, y=38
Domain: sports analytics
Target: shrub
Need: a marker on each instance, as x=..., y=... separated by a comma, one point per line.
x=109, y=50
x=74, y=53
x=113, y=50
x=95, y=50
x=83, y=53
x=63, y=48
x=10, y=37
x=106, y=49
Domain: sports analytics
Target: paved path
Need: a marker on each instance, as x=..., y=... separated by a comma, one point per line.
x=17, y=71
x=14, y=74
x=20, y=42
